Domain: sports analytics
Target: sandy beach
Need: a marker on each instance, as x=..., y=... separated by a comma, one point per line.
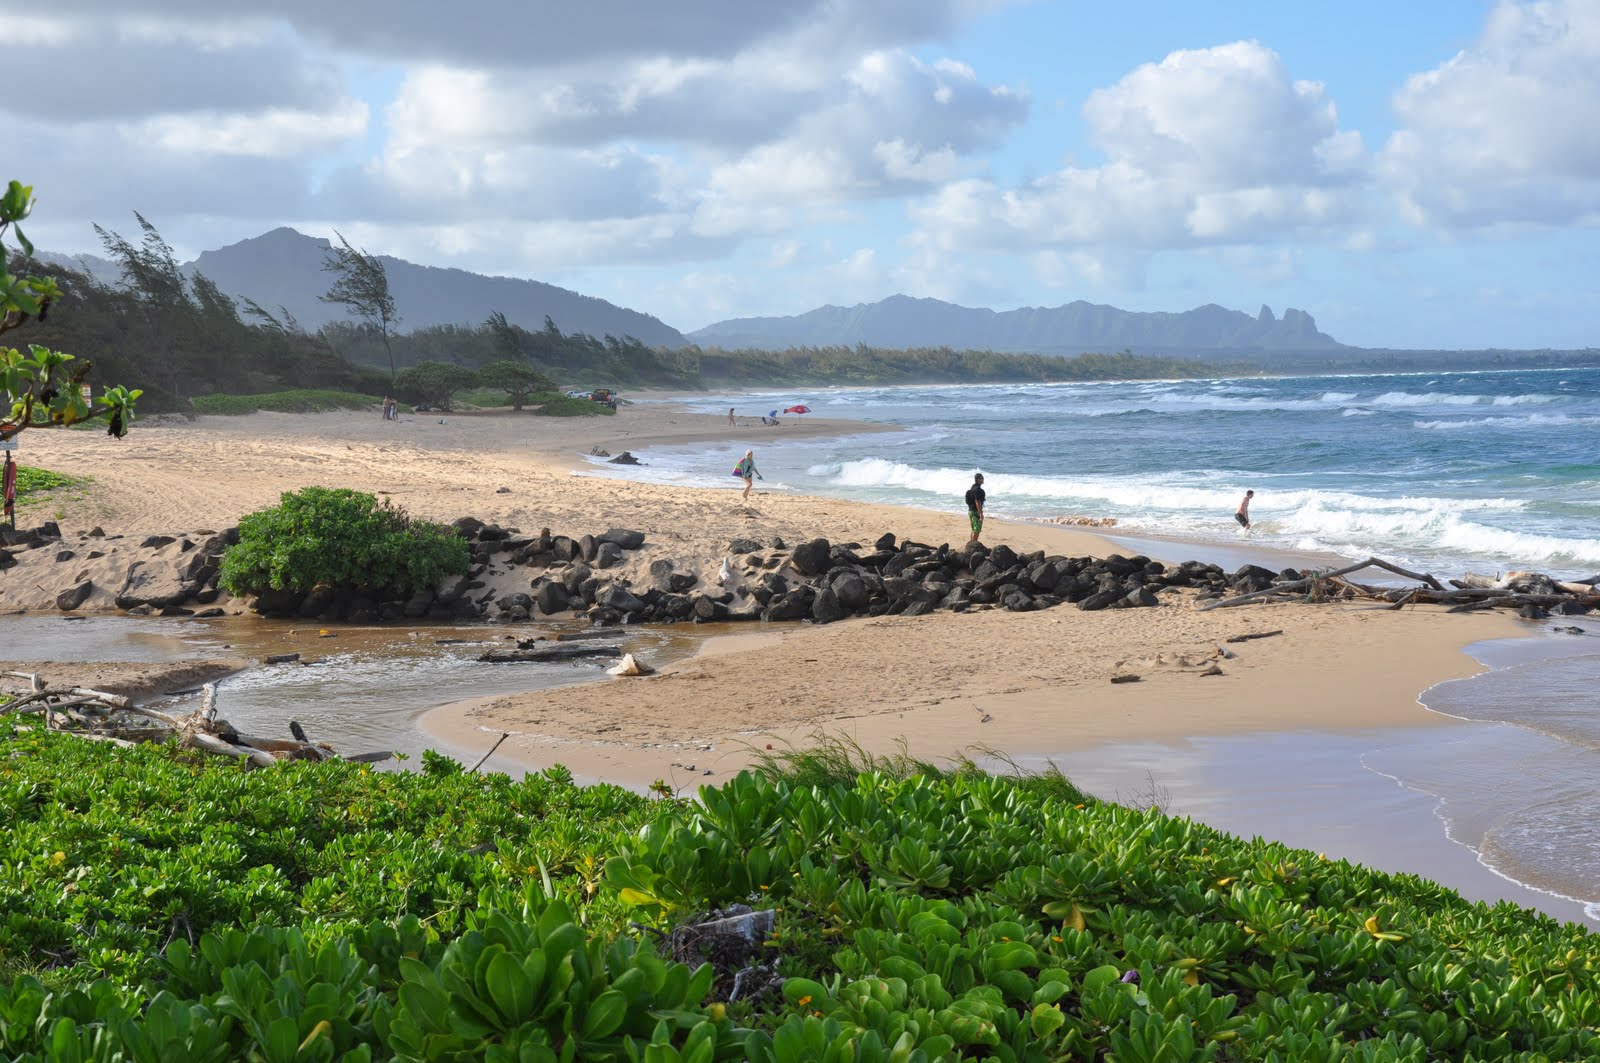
x=1027, y=685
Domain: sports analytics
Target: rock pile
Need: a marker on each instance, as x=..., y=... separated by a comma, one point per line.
x=611, y=578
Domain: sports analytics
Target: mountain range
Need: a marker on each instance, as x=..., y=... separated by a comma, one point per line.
x=283, y=269
x=902, y=321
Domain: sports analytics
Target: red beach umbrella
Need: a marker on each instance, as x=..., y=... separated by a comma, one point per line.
x=797, y=409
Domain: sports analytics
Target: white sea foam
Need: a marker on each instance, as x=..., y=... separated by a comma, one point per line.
x=1532, y=420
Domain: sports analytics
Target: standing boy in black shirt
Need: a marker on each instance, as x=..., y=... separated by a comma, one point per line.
x=975, y=497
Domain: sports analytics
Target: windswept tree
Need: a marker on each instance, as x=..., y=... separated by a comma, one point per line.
x=517, y=379
x=361, y=285
x=434, y=383
x=41, y=387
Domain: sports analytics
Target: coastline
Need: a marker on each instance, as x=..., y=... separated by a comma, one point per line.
x=1027, y=685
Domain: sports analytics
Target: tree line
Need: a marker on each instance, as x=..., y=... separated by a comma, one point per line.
x=180, y=336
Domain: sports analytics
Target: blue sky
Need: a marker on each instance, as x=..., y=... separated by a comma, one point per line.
x=1419, y=175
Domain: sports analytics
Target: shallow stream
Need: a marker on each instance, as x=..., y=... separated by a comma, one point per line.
x=359, y=688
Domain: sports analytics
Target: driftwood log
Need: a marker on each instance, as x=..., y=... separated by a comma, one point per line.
x=545, y=652
x=1465, y=596
x=98, y=716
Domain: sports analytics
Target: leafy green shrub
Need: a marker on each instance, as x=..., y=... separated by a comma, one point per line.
x=565, y=406
x=303, y=400
x=341, y=538
x=434, y=383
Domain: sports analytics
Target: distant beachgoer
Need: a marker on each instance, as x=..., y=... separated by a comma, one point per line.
x=746, y=469
x=1243, y=515
x=730, y=415
x=975, y=497
x=386, y=407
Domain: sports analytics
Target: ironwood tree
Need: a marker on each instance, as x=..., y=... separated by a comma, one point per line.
x=361, y=285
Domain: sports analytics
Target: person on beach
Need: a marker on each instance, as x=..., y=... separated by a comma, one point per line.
x=730, y=415
x=975, y=497
x=746, y=470
x=386, y=407
x=1243, y=514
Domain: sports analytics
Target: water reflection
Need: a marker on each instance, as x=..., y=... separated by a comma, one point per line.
x=360, y=688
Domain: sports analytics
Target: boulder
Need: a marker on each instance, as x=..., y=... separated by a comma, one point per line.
x=563, y=548
x=885, y=541
x=316, y=601
x=1003, y=557
x=812, y=558
x=157, y=586
x=70, y=599
x=270, y=602
x=795, y=605
x=587, y=547
x=851, y=591
x=418, y=604
x=1100, y=600
x=1140, y=598
x=708, y=609
x=626, y=538
x=678, y=582
x=625, y=458
x=827, y=609
x=50, y=530
x=617, y=597
x=574, y=577
x=451, y=588
x=493, y=533
x=1017, y=602
x=743, y=546
x=607, y=555
x=467, y=526
x=551, y=597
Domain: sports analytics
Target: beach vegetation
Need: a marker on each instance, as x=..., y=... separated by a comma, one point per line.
x=516, y=380
x=345, y=539
x=160, y=905
x=568, y=406
x=35, y=485
x=41, y=387
x=297, y=400
x=434, y=383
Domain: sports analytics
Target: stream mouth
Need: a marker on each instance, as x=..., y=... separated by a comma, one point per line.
x=357, y=688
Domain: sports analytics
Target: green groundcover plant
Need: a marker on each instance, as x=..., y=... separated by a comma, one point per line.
x=343, y=539
x=567, y=406
x=300, y=400
x=155, y=906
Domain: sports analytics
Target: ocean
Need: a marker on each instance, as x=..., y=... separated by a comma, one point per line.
x=1444, y=472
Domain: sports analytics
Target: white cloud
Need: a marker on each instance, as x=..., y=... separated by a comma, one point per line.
x=1206, y=147
x=1503, y=133
x=273, y=133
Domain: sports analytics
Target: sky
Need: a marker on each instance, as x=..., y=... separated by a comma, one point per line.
x=1415, y=175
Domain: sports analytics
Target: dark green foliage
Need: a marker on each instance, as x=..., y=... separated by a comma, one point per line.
x=434, y=383
x=301, y=400
x=43, y=387
x=916, y=919
x=361, y=285
x=565, y=406
x=517, y=379
x=343, y=539
x=31, y=481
